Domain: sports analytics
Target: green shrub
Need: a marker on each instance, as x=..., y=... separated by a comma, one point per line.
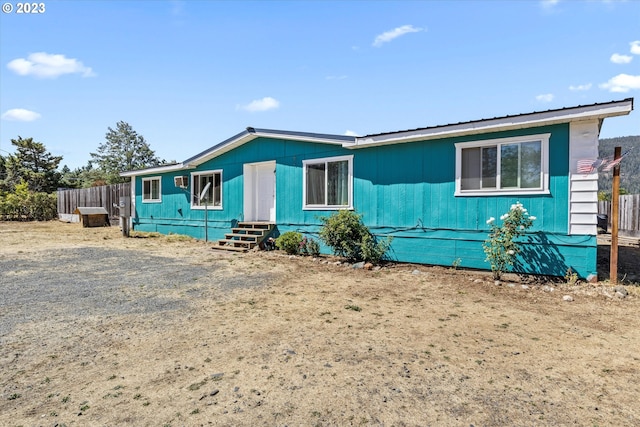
x=25, y=205
x=374, y=250
x=289, y=242
x=501, y=246
x=348, y=237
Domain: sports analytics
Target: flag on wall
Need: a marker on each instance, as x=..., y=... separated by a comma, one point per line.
x=586, y=166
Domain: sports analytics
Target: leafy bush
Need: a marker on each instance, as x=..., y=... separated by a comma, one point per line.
x=345, y=233
x=289, y=242
x=25, y=205
x=500, y=247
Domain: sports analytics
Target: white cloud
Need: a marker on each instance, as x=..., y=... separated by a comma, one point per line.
x=580, y=87
x=549, y=4
x=42, y=64
x=622, y=83
x=546, y=97
x=20, y=115
x=635, y=47
x=264, y=104
x=350, y=133
x=395, y=33
x=620, y=59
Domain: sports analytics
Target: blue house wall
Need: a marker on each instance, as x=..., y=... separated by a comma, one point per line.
x=403, y=190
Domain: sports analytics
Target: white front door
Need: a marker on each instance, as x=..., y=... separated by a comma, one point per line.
x=260, y=191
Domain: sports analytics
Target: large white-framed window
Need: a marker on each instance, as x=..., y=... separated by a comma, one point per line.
x=327, y=183
x=213, y=197
x=152, y=190
x=507, y=166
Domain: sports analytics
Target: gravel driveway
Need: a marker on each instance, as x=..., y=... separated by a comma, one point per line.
x=95, y=281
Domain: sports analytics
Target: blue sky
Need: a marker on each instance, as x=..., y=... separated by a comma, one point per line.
x=189, y=74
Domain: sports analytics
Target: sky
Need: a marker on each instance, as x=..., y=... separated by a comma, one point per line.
x=187, y=75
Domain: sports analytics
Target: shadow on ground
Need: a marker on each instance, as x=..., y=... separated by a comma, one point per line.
x=628, y=263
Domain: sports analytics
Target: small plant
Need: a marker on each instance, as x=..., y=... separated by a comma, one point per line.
x=14, y=396
x=571, y=277
x=352, y=307
x=309, y=246
x=500, y=247
x=289, y=242
x=456, y=263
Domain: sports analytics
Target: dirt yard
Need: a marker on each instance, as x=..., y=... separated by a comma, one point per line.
x=99, y=330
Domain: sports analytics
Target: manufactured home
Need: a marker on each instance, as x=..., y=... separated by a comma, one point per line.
x=431, y=188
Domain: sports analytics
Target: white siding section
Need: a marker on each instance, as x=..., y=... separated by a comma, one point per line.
x=583, y=190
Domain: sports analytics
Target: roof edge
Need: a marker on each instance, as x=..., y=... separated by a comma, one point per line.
x=519, y=121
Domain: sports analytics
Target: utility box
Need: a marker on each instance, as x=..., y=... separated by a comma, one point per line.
x=124, y=206
x=603, y=222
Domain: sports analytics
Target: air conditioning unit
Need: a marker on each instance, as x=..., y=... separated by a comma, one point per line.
x=181, y=181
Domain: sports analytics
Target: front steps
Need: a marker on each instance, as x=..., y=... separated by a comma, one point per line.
x=245, y=236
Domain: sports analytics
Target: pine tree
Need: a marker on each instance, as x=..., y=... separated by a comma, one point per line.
x=123, y=150
x=34, y=165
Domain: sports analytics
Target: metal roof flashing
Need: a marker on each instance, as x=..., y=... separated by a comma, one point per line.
x=520, y=121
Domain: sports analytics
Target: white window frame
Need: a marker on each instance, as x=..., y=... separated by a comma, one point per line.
x=326, y=160
x=151, y=179
x=498, y=142
x=195, y=203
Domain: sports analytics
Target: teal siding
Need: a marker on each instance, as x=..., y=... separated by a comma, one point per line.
x=402, y=190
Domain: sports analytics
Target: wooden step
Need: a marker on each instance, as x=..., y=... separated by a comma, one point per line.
x=256, y=225
x=253, y=231
x=244, y=237
x=229, y=248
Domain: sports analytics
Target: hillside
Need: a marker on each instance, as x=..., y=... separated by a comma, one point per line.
x=630, y=166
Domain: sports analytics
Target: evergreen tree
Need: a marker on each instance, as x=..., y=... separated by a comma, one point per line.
x=3, y=174
x=123, y=150
x=33, y=164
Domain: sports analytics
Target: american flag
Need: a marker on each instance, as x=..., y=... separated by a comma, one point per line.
x=587, y=166
x=612, y=164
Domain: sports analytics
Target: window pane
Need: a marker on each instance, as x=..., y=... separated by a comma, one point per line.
x=208, y=197
x=470, y=169
x=509, y=165
x=337, y=183
x=155, y=189
x=146, y=190
x=489, y=166
x=530, y=164
x=217, y=190
x=315, y=184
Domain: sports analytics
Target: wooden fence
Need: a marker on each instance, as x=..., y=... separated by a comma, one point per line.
x=629, y=212
x=103, y=196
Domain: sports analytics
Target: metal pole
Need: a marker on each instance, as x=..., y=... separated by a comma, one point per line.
x=615, y=201
x=203, y=197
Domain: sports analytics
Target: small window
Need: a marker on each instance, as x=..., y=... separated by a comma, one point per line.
x=151, y=190
x=328, y=183
x=213, y=196
x=503, y=166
